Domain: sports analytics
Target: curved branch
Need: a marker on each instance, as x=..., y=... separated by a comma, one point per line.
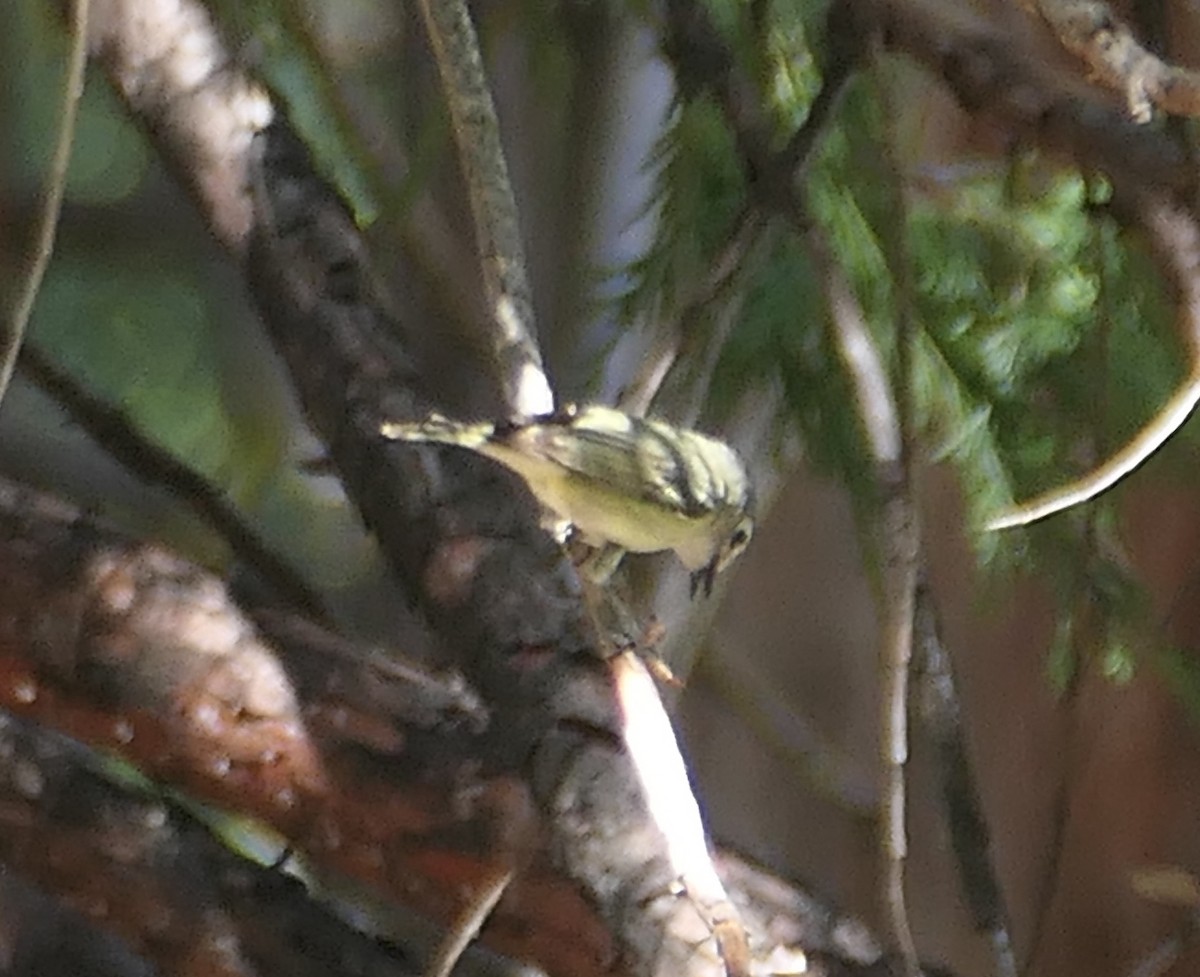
x=1175, y=236
x=1091, y=30
x=55, y=188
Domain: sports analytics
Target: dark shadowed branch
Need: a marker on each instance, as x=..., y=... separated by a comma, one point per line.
x=157, y=878
x=111, y=428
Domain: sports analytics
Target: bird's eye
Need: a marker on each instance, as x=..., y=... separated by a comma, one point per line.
x=739, y=538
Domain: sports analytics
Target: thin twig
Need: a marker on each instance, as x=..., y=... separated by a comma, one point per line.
x=55, y=189
x=1081, y=637
x=873, y=401
x=497, y=229
x=941, y=715
x=113, y=431
x=902, y=556
x=703, y=61
x=880, y=414
x=1136, y=452
x=675, y=341
x=885, y=410
x=900, y=561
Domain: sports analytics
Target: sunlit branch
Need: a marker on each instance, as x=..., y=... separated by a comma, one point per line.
x=1092, y=30
x=497, y=228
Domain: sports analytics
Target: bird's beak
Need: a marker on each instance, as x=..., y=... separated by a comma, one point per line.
x=704, y=577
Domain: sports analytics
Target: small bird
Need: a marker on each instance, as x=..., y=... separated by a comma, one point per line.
x=632, y=482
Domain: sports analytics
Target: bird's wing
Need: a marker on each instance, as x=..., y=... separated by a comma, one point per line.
x=630, y=456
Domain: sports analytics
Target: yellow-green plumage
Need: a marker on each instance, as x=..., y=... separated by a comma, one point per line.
x=638, y=483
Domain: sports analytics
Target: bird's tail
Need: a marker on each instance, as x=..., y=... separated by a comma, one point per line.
x=437, y=429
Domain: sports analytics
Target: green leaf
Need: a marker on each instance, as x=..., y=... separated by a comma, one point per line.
x=1117, y=663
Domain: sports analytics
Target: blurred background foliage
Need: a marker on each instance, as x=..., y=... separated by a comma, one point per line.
x=139, y=307
x=1044, y=334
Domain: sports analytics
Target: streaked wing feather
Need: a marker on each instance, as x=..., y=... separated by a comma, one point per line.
x=604, y=456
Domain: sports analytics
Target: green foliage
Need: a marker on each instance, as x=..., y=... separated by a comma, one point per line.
x=791, y=79
x=701, y=192
x=158, y=326
x=1005, y=293
x=1035, y=303
x=1042, y=334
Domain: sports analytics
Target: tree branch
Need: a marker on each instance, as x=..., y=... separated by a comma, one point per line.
x=1092, y=31
x=56, y=186
x=113, y=431
x=176, y=896
x=497, y=228
x=131, y=650
x=462, y=536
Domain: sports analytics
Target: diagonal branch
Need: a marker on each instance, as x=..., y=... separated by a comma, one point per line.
x=176, y=895
x=497, y=228
x=1092, y=31
x=110, y=428
x=462, y=536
